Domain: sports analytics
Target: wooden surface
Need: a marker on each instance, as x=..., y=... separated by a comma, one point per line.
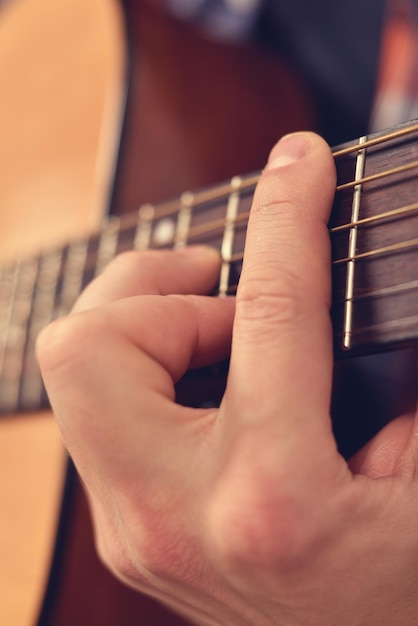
x=61, y=65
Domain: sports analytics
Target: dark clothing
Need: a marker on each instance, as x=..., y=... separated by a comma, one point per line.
x=336, y=46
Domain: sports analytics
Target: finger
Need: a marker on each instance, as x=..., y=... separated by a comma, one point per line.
x=193, y=269
x=281, y=354
x=281, y=480
x=110, y=375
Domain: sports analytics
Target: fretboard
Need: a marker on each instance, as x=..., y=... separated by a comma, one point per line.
x=373, y=229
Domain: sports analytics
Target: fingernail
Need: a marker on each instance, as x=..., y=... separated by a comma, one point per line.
x=290, y=149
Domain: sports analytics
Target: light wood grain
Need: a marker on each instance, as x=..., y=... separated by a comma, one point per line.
x=61, y=67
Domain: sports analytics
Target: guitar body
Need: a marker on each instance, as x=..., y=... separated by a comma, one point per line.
x=61, y=65
x=197, y=112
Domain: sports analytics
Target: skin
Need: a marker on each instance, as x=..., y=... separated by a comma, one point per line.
x=246, y=514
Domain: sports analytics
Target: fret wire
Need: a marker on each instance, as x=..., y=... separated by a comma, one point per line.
x=167, y=209
x=215, y=225
x=208, y=228
x=242, y=217
x=409, y=208
x=5, y=310
x=170, y=208
x=108, y=241
x=86, y=261
x=77, y=254
x=404, y=245
x=183, y=219
x=223, y=191
x=383, y=174
x=352, y=247
x=228, y=236
x=9, y=387
x=146, y=214
x=202, y=197
x=43, y=312
x=196, y=231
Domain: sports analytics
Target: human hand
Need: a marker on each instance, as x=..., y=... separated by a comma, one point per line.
x=246, y=514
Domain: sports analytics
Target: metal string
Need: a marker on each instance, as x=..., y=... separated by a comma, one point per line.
x=153, y=214
x=171, y=208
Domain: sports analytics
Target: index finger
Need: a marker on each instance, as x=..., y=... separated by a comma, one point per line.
x=281, y=358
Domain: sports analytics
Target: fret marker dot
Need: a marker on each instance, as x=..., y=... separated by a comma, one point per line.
x=164, y=232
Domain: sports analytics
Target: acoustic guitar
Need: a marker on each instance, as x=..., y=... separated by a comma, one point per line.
x=74, y=76
x=373, y=229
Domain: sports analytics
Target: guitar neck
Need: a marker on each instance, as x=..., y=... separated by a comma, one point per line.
x=373, y=230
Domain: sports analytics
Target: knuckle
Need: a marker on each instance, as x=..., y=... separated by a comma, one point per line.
x=280, y=301
x=264, y=533
x=259, y=517
x=58, y=346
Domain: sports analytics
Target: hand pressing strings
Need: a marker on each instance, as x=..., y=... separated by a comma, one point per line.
x=246, y=514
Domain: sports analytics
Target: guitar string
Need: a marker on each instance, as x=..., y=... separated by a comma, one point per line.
x=378, y=176
x=403, y=245
x=398, y=324
x=405, y=210
x=248, y=183
x=364, y=295
x=212, y=227
x=374, y=141
x=220, y=223
x=215, y=226
x=400, y=246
